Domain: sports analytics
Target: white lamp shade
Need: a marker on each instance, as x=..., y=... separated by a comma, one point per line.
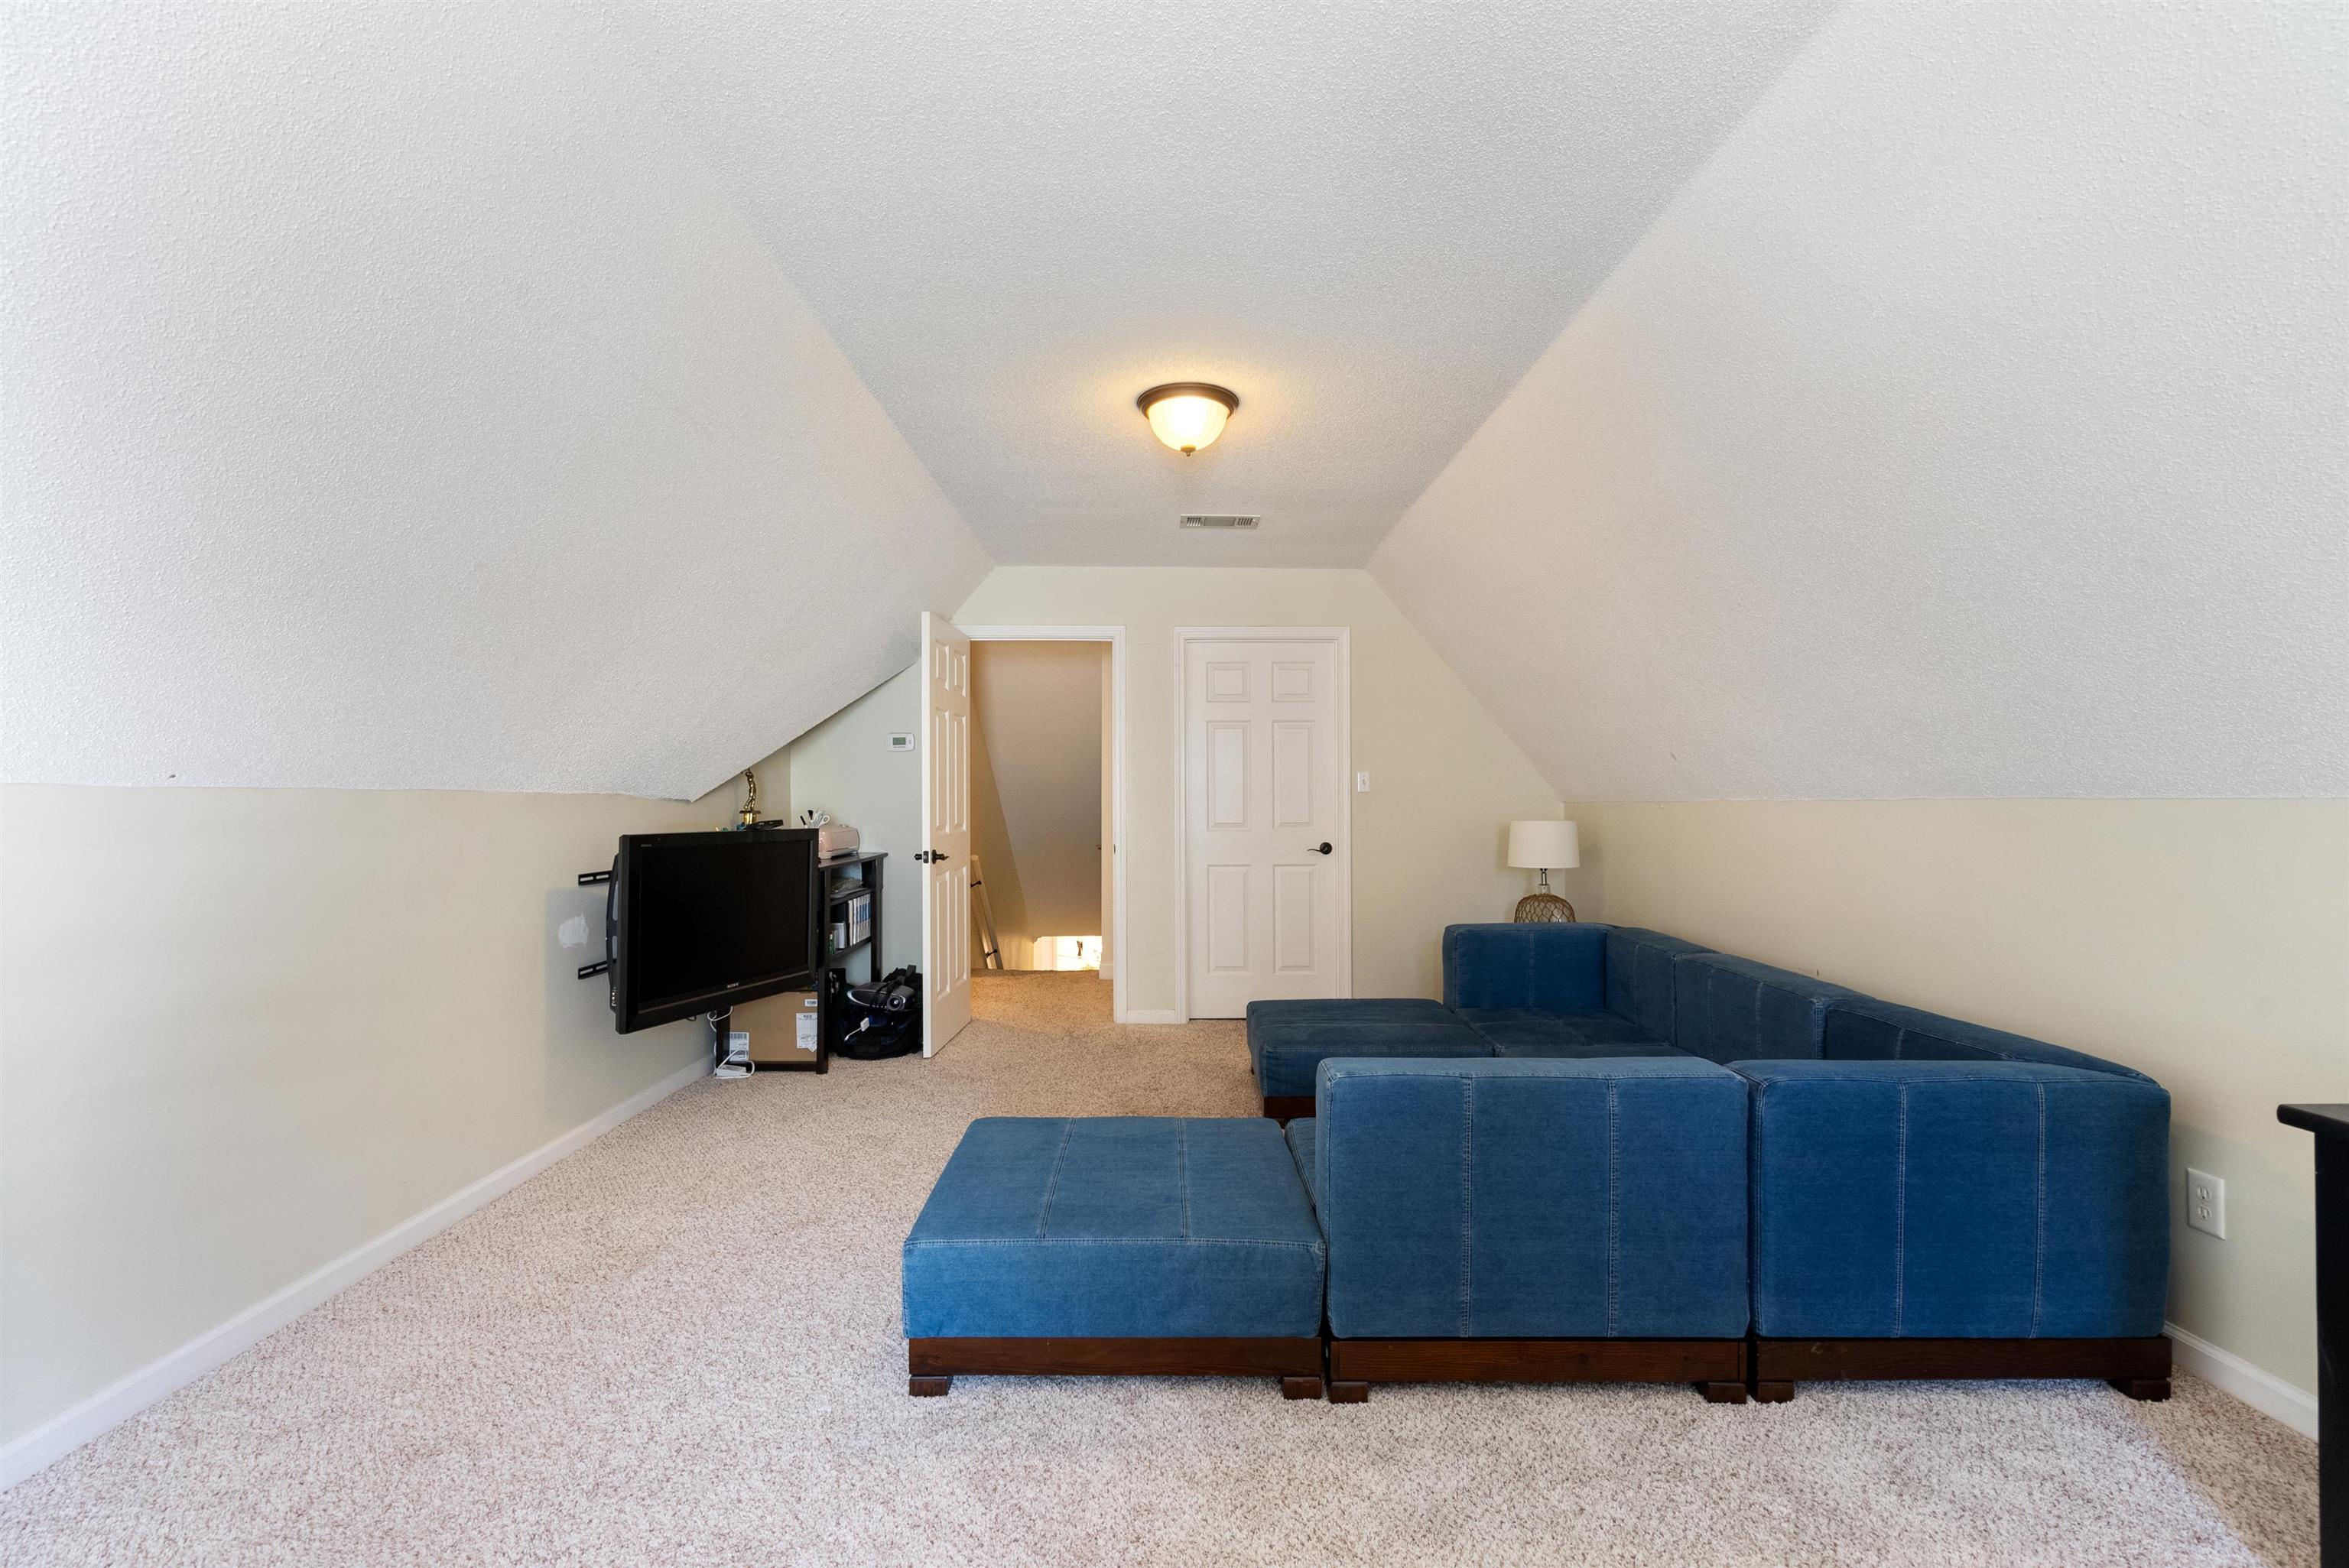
x=1188, y=423
x=1545, y=846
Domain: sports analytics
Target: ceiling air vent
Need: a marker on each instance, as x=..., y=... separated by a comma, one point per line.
x=1218, y=520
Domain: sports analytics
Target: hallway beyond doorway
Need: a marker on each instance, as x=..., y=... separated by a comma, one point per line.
x=1040, y=803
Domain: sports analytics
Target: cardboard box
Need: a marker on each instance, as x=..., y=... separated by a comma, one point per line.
x=781, y=1027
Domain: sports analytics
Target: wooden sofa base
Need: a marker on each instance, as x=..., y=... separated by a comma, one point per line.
x=2137, y=1367
x=1715, y=1368
x=1285, y=1109
x=931, y=1365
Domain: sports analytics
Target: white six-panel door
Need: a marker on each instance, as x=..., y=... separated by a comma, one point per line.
x=1265, y=819
x=946, y=832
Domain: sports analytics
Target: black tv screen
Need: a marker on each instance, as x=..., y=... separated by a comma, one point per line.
x=699, y=922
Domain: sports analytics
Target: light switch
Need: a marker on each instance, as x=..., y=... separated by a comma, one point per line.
x=1362, y=783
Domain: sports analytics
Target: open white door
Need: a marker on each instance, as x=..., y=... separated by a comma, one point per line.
x=946, y=831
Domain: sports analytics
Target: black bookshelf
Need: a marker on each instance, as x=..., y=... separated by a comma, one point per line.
x=844, y=877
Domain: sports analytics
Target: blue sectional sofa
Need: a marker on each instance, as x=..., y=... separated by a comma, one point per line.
x=1606, y=1155
x=1924, y=1196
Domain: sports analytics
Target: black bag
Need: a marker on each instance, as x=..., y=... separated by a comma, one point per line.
x=883, y=1019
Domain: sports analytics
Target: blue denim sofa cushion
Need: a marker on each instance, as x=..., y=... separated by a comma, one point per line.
x=1956, y=1199
x=1531, y=1032
x=1732, y=1009
x=1569, y=968
x=1557, y=968
x=1861, y=1028
x=1286, y=1040
x=1117, y=1227
x=1639, y=977
x=1528, y=1199
x=1304, y=1145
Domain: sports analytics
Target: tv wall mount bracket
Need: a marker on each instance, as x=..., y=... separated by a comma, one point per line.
x=589, y=879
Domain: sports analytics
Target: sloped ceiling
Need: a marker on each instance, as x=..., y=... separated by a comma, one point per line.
x=455, y=395
x=1367, y=219
x=1971, y=425
x=393, y=400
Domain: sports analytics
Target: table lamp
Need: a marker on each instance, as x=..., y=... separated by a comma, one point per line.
x=1542, y=846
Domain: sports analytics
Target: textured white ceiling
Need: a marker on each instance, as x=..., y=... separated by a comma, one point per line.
x=455, y=395
x=1976, y=423
x=394, y=401
x=1367, y=219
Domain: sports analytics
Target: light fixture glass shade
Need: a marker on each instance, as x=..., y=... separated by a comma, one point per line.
x=1545, y=846
x=1187, y=415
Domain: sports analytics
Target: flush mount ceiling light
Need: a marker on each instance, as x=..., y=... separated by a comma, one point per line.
x=1187, y=415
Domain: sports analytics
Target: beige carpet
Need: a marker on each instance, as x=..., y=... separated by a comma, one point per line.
x=682, y=1347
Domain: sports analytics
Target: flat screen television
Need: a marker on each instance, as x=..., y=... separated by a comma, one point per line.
x=699, y=922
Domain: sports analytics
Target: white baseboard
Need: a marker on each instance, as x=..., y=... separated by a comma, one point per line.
x=110, y=1407
x=1154, y=1015
x=2262, y=1391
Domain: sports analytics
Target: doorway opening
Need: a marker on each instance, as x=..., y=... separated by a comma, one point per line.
x=1044, y=800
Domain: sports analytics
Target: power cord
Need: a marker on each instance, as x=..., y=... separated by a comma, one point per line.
x=730, y=1066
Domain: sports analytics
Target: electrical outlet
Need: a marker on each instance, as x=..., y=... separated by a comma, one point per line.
x=2205, y=1202
x=1362, y=783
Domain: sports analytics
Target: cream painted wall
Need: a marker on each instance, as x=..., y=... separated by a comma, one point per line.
x=844, y=765
x=1038, y=707
x=990, y=846
x=2203, y=942
x=244, y=1032
x=1445, y=781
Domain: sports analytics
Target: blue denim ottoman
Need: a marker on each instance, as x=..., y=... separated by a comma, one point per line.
x=1287, y=1041
x=1116, y=1244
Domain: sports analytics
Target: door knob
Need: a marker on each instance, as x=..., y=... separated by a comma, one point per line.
x=1322, y=848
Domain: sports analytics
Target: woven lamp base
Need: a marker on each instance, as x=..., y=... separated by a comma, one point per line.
x=1542, y=908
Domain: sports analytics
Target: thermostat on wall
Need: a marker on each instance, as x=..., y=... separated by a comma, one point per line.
x=901, y=741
